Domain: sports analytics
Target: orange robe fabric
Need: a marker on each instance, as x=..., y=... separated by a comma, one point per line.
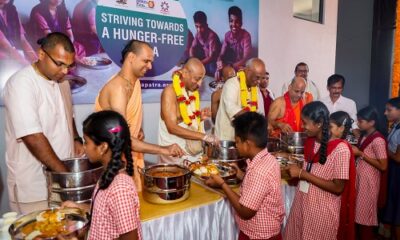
x=308, y=97
x=292, y=115
x=134, y=116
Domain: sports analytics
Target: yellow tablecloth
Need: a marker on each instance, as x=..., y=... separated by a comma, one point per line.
x=199, y=196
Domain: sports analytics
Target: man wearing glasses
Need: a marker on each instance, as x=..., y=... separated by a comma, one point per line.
x=231, y=106
x=40, y=128
x=301, y=70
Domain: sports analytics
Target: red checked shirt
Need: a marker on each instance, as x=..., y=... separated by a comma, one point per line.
x=261, y=192
x=115, y=210
x=315, y=215
x=368, y=184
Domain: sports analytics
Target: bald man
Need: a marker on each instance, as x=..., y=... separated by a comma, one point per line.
x=227, y=73
x=172, y=128
x=230, y=104
x=285, y=112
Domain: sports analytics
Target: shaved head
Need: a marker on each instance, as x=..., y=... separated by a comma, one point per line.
x=228, y=72
x=298, y=82
x=255, y=63
x=194, y=64
x=193, y=73
x=297, y=88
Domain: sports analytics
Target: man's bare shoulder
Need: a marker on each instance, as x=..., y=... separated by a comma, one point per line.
x=279, y=100
x=168, y=91
x=216, y=95
x=113, y=88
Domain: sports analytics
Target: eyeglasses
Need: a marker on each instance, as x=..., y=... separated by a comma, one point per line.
x=59, y=64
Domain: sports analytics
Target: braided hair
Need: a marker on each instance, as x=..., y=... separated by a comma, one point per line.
x=341, y=118
x=318, y=113
x=110, y=127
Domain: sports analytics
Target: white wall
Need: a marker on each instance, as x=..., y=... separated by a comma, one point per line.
x=284, y=41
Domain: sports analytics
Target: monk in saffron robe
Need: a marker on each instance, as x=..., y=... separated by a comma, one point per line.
x=285, y=112
x=122, y=93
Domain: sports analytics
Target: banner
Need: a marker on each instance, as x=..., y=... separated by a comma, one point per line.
x=100, y=29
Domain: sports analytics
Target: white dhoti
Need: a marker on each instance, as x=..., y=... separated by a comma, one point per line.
x=165, y=139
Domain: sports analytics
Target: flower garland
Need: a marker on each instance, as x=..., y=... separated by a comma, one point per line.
x=244, y=94
x=189, y=105
x=396, y=56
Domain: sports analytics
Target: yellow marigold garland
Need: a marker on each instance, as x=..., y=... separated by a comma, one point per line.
x=244, y=93
x=396, y=58
x=189, y=105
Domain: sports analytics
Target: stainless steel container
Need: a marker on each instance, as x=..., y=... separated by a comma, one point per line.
x=76, y=185
x=75, y=223
x=166, y=183
x=226, y=150
x=293, y=142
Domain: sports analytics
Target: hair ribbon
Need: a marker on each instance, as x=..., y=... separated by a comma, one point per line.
x=115, y=129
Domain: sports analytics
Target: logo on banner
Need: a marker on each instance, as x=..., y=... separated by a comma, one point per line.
x=164, y=7
x=166, y=34
x=145, y=4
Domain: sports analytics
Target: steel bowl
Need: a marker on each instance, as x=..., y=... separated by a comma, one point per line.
x=76, y=223
x=294, y=138
x=295, y=149
x=81, y=173
x=226, y=150
x=293, y=142
x=166, y=177
x=78, y=195
x=75, y=185
x=166, y=196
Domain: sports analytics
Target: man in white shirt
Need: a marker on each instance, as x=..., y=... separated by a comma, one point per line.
x=230, y=104
x=301, y=70
x=336, y=102
x=40, y=128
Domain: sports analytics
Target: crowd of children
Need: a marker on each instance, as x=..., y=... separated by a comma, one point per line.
x=343, y=191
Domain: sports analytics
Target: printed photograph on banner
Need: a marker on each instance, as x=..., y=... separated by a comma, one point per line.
x=220, y=33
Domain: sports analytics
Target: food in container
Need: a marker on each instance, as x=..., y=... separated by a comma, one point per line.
x=50, y=223
x=204, y=170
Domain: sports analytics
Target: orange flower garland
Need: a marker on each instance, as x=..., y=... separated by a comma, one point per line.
x=189, y=105
x=244, y=94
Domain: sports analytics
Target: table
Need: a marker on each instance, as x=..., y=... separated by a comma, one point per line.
x=204, y=215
